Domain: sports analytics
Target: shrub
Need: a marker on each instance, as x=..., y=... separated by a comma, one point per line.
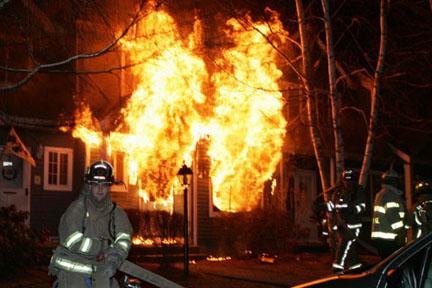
x=260, y=230
x=18, y=242
x=155, y=224
x=158, y=226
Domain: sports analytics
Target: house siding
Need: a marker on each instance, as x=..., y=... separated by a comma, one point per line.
x=46, y=207
x=126, y=200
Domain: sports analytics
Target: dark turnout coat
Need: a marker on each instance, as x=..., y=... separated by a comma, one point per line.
x=389, y=215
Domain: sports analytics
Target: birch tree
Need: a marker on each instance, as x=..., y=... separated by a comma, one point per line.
x=375, y=94
x=308, y=90
x=334, y=96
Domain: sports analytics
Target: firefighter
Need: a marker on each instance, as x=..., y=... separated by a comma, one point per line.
x=389, y=216
x=346, y=206
x=94, y=235
x=422, y=213
x=319, y=215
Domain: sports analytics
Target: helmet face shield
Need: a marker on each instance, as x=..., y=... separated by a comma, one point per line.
x=100, y=172
x=390, y=177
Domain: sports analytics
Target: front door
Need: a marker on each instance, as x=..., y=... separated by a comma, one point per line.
x=14, y=182
x=304, y=195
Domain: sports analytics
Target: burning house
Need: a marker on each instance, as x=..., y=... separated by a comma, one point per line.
x=175, y=83
x=217, y=107
x=181, y=86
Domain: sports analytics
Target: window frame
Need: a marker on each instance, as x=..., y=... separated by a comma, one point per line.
x=121, y=187
x=59, y=151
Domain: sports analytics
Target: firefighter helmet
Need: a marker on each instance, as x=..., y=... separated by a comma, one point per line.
x=389, y=174
x=100, y=172
x=390, y=177
x=422, y=187
x=349, y=175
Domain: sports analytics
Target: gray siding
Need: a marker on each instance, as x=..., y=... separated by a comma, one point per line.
x=46, y=207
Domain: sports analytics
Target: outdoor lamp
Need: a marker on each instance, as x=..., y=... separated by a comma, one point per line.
x=185, y=176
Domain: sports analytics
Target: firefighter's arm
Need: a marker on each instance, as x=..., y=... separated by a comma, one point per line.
x=119, y=250
x=123, y=238
x=71, y=227
x=395, y=212
x=360, y=205
x=406, y=217
x=330, y=215
x=417, y=223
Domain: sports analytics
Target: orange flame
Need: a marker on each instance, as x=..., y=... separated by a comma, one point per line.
x=161, y=111
x=168, y=112
x=85, y=128
x=250, y=128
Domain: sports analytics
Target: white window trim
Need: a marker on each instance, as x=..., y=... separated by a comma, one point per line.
x=58, y=187
x=122, y=187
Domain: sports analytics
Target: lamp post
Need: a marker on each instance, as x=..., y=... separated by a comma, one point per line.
x=185, y=176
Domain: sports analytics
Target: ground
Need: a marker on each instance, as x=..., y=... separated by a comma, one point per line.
x=288, y=270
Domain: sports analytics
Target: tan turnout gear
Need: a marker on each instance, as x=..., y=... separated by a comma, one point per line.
x=95, y=239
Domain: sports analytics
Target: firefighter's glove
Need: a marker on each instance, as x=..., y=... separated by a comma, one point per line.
x=107, y=269
x=111, y=263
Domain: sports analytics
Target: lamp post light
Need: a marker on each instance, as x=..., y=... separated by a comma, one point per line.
x=185, y=176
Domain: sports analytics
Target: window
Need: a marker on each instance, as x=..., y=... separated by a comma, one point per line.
x=118, y=162
x=58, y=168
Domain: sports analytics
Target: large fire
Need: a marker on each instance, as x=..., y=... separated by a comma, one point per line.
x=170, y=111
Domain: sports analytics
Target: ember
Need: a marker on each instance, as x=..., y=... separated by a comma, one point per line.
x=217, y=259
x=141, y=241
x=138, y=240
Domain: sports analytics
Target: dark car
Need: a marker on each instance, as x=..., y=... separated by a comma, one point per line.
x=409, y=267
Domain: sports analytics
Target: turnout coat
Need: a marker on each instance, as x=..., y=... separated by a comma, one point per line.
x=91, y=235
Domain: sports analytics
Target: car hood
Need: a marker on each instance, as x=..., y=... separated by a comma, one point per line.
x=352, y=281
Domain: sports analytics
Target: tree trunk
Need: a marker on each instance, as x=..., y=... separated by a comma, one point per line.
x=375, y=93
x=334, y=96
x=306, y=71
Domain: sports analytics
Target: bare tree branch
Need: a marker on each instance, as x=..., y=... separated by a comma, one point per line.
x=41, y=16
x=286, y=57
x=40, y=67
x=358, y=110
x=347, y=76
